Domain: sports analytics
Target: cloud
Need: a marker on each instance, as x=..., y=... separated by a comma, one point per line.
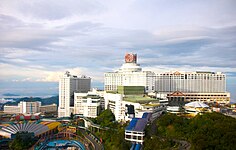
x=199, y=47
x=50, y=9
x=42, y=39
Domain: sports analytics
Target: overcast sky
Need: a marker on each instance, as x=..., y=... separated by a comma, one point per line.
x=39, y=40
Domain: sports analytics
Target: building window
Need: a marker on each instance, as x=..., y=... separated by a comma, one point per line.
x=128, y=136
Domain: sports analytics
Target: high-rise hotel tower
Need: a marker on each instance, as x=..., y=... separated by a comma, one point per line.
x=69, y=84
x=130, y=74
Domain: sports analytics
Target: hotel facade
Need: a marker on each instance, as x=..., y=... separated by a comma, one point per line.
x=191, y=82
x=203, y=86
x=130, y=74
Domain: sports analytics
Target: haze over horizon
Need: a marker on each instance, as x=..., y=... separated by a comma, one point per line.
x=42, y=39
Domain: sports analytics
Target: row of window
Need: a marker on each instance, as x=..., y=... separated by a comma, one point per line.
x=134, y=137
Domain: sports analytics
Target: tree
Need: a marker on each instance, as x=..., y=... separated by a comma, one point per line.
x=113, y=137
x=22, y=140
x=207, y=131
x=106, y=118
x=71, y=115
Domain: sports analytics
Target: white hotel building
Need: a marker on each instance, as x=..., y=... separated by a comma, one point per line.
x=205, y=86
x=130, y=74
x=182, y=87
x=69, y=84
x=200, y=82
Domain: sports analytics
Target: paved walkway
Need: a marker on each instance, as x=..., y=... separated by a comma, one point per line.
x=184, y=145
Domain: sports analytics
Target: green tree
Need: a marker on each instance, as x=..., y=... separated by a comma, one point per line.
x=113, y=137
x=71, y=115
x=22, y=140
x=106, y=118
x=207, y=131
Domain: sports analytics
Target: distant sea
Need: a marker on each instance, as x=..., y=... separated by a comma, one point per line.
x=22, y=96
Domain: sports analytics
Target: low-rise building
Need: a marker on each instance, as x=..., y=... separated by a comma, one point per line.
x=38, y=129
x=87, y=104
x=29, y=107
x=196, y=107
x=126, y=107
x=48, y=108
x=180, y=98
x=173, y=109
x=24, y=107
x=11, y=109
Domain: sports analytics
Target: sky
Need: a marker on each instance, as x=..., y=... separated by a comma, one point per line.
x=40, y=40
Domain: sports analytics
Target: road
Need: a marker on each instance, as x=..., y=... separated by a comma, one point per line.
x=96, y=145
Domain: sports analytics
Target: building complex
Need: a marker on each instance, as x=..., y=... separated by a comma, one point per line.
x=126, y=107
x=126, y=89
x=68, y=85
x=191, y=86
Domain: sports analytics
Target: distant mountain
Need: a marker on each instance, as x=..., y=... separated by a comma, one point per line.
x=10, y=94
x=50, y=100
x=45, y=101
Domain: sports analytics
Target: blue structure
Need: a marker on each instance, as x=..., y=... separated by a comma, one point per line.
x=138, y=124
x=145, y=115
x=132, y=124
x=135, y=146
x=61, y=144
x=134, y=132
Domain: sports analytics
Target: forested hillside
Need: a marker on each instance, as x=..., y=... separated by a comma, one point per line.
x=208, y=131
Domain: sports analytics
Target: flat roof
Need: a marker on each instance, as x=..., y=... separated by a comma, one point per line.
x=146, y=115
x=132, y=124
x=139, y=124
x=139, y=99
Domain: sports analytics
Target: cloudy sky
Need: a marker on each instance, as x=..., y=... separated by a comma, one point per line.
x=39, y=40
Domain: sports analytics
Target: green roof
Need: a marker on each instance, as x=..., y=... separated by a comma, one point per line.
x=113, y=92
x=152, y=104
x=139, y=99
x=131, y=90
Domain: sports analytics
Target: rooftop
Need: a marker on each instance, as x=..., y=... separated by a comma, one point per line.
x=139, y=99
x=92, y=96
x=139, y=124
x=152, y=104
x=7, y=130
